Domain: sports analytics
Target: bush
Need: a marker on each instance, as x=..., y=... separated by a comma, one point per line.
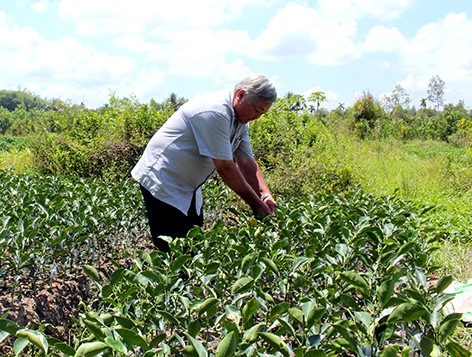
x=103, y=143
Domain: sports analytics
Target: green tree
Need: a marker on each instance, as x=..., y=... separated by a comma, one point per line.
x=13, y=100
x=367, y=113
x=174, y=102
x=318, y=98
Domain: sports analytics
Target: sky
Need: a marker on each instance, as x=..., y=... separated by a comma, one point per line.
x=84, y=51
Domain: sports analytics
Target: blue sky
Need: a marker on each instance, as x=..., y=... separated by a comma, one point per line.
x=82, y=51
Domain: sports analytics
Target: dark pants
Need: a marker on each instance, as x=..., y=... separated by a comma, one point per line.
x=166, y=220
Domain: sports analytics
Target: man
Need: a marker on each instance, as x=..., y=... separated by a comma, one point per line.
x=204, y=135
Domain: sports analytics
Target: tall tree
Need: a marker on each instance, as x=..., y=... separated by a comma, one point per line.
x=317, y=97
x=399, y=97
x=436, y=91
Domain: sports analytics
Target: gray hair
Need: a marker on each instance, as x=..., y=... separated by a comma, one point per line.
x=257, y=86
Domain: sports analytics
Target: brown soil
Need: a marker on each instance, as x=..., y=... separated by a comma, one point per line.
x=51, y=306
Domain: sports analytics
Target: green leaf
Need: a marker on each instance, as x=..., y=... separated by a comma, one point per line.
x=35, y=338
x=297, y=314
x=169, y=317
x=385, y=292
x=8, y=326
x=315, y=353
x=117, y=345
x=197, y=345
x=91, y=349
x=95, y=329
x=275, y=341
x=250, y=335
x=283, y=320
x=63, y=347
x=125, y=322
x=227, y=346
x=426, y=346
x=3, y=335
x=251, y=307
x=207, y=305
x=447, y=329
x=355, y=279
x=279, y=310
x=179, y=262
x=19, y=345
x=364, y=317
x=132, y=337
x=270, y=263
x=457, y=350
x=247, y=261
x=390, y=351
x=443, y=283
x=91, y=272
x=406, y=312
x=315, y=315
x=242, y=285
x=194, y=328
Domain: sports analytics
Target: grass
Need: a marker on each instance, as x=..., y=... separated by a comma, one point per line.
x=429, y=173
x=20, y=161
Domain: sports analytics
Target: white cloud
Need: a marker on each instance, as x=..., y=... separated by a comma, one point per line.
x=327, y=34
x=139, y=16
x=357, y=9
x=40, y=6
x=60, y=68
x=441, y=48
x=380, y=38
x=299, y=31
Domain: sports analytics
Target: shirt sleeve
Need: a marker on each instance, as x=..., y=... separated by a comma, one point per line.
x=211, y=131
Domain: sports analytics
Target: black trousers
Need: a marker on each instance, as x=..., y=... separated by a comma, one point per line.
x=166, y=220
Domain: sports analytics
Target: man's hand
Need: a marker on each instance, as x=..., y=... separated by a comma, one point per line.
x=271, y=203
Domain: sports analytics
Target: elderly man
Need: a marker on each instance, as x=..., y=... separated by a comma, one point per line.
x=204, y=135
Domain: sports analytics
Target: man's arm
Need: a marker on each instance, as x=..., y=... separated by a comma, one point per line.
x=253, y=175
x=233, y=176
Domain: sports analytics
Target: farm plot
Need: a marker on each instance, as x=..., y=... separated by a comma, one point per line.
x=331, y=275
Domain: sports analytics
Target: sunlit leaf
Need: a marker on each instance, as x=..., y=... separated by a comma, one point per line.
x=198, y=346
x=92, y=272
x=250, y=335
x=242, y=285
x=35, y=337
x=89, y=349
x=406, y=312
x=227, y=346
x=275, y=341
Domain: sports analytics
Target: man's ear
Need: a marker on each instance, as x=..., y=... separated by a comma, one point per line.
x=240, y=94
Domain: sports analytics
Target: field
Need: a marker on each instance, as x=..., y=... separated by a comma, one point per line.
x=368, y=236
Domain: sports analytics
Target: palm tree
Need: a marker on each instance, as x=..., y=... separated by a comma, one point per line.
x=317, y=97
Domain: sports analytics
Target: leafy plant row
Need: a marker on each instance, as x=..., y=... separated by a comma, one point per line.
x=50, y=225
x=331, y=275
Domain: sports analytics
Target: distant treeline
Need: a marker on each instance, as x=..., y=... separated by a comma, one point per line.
x=106, y=142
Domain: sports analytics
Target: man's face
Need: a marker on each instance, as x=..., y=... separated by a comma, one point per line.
x=247, y=111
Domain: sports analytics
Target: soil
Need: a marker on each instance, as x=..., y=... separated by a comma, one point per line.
x=50, y=306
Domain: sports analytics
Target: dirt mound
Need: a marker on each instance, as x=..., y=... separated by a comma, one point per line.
x=51, y=305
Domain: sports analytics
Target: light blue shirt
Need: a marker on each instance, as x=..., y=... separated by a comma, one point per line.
x=179, y=157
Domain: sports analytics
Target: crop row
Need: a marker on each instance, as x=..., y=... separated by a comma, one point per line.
x=330, y=275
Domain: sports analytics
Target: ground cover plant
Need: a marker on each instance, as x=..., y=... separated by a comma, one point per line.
x=331, y=275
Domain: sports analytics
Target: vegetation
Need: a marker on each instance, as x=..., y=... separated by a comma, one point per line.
x=373, y=224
